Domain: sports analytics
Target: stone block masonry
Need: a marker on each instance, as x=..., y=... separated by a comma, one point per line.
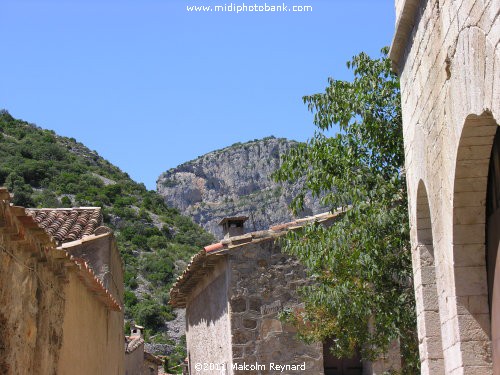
x=264, y=281
x=448, y=57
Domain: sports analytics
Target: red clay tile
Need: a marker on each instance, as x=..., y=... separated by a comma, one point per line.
x=69, y=224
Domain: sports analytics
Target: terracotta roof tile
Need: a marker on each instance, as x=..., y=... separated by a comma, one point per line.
x=213, y=247
x=132, y=343
x=39, y=226
x=201, y=261
x=67, y=224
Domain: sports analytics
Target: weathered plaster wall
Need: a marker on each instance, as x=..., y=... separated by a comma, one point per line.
x=207, y=323
x=263, y=282
x=32, y=302
x=55, y=317
x=450, y=83
x=93, y=336
x=31, y=309
x=134, y=361
x=102, y=254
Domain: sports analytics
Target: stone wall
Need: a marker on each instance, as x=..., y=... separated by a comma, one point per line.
x=263, y=282
x=447, y=54
x=234, y=291
x=151, y=365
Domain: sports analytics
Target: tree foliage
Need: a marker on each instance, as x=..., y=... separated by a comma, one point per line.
x=362, y=294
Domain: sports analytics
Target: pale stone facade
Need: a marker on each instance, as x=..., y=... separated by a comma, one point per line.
x=233, y=292
x=56, y=314
x=447, y=54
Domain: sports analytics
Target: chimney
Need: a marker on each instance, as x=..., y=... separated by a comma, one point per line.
x=233, y=226
x=135, y=330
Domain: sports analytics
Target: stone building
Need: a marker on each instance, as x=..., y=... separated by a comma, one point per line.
x=134, y=351
x=137, y=360
x=152, y=364
x=233, y=292
x=61, y=292
x=447, y=54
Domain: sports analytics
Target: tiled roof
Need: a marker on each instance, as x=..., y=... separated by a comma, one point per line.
x=206, y=259
x=132, y=343
x=67, y=224
x=22, y=225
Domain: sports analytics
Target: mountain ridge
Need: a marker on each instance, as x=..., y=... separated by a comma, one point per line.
x=234, y=181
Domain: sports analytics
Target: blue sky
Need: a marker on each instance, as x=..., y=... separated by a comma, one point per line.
x=149, y=85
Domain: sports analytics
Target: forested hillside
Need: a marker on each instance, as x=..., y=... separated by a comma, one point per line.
x=43, y=169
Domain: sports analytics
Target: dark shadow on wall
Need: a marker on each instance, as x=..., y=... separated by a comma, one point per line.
x=210, y=304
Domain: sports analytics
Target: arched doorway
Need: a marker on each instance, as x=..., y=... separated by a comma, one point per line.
x=340, y=366
x=492, y=245
x=470, y=244
x=426, y=293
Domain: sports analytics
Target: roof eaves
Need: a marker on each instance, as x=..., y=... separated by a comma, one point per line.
x=25, y=228
x=178, y=292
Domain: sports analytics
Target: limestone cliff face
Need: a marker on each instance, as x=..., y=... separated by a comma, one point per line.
x=234, y=181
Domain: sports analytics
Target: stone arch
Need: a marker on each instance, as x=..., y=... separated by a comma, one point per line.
x=469, y=228
x=426, y=293
x=492, y=247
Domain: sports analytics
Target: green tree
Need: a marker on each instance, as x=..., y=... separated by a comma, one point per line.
x=151, y=314
x=363, y=294
x=176, y=357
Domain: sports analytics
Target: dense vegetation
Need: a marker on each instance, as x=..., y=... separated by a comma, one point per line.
x=42, y=169
x=363, y=296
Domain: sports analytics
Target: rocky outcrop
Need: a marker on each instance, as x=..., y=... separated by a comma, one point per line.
x=234, y=181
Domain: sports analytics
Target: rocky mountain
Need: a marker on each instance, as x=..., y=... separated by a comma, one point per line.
x=234, y=181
